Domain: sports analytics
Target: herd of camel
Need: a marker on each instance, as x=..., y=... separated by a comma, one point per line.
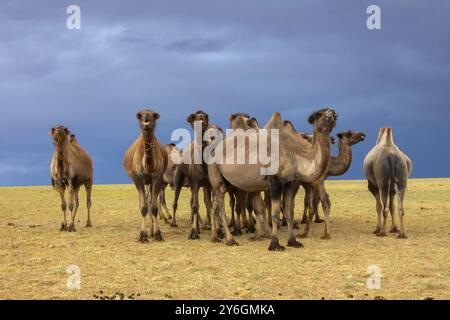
x=256, y=201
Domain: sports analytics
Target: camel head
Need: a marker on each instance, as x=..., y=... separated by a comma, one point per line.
x=199, y=116
x=323, y=120
x=147, y=119
x=349, y=137
x=169, y=149
x=59, y=133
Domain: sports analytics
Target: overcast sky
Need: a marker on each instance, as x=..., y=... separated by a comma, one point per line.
x=255, y=56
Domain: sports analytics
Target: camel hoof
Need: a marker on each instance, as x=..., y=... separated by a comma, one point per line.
x=304, y=221
x=63, y=227
x=236, y=232
x=283, y=223
x=326, y=236
x=377, y=230
x=275, y=245
x=173, y=224
x=318, y=220
x=143, y=237
x=402, y=236
x=296, y=226
x=88, y=224
x=303, y=235
x=72, y=228
x=294, y=243
x=381, y=234
x=194, y=235
x=394, y=230
x=232, y=242
x=250, y=229
x=157, y=236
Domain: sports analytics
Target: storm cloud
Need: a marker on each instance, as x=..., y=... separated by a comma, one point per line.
x=259, y=57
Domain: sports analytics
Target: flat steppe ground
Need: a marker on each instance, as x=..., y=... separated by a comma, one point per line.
x=34, y=254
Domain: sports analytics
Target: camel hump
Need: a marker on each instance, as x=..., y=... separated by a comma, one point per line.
x=275, y=122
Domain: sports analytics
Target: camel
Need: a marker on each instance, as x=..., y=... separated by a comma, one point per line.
x=387, y=170
x=145, y=162
x=71, y=167
x=298, y=160
x=195, y=176
x=169, y=180
x=316, y=191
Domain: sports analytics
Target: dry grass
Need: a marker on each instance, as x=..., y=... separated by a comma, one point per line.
x=34, y=254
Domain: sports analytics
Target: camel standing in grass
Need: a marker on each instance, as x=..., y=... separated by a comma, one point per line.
x=195, y=176
x=387, y=170
x=145, y=163
x=316, y=192
x=71, y=167
x=298, y=160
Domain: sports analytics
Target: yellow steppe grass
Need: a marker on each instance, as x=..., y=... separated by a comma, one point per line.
x=34, y=254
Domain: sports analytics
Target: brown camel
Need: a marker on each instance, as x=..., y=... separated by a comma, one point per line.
x=145, y=163
x=387, y=170
x=298, y=160
x=71, y=167
x=316, y=191
x=195, y=176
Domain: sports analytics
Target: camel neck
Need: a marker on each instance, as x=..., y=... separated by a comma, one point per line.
x=340, y=164
x=148, y=138
x=61, y=150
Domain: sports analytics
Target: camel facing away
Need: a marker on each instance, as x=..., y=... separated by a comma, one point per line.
x=316, y=192
x=298, y=160
x=71, y=167
x=387, y=170
x=145, y=163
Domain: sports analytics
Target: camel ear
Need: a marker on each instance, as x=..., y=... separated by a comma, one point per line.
x=191, y=118
x=67, y=131
x=313, y=117
x=340, y=135
x=156, y=115
x=52, y=132
x=232, y=116
x=139, y=115
x=333, y=140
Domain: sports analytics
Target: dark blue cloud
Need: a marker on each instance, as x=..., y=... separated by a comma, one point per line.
x=220, y=56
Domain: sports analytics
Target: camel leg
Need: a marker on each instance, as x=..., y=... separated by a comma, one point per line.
x=194, y=212
x=143, y=208
x=215, y=225
x=313, y=200
x=240, y=208
x=384, y=195
x=61, y=191
x=275, y=190
x=249, y=208
x=326, y=205
x=88, y=187
x=179, y=178
x=221, y=210
x=306, y=200
x=155, y=191
x=392, y=211
x=162, y=206
x=288, y=200
x=232, y=206
x=73, y=205
x=401, y=212
x=268, y=205
x=375, y=192
x=208, y=205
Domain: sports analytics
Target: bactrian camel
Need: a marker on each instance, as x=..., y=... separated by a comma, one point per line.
x=71, y=167
x=316, y=192
x=387, y=170
x=145, y=163
x=298, y=161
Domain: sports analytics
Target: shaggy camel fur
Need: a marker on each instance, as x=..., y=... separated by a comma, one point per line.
x=298, y=160
x=71, y=167
x=195, y=176
x=316, y=192
x=145, y=163
x=387, y=170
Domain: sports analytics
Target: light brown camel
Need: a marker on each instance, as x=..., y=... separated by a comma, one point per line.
x=169, y=180
x=195, y=176
x=316, y=192
x=387, y=170
x=298, y=160
x=71, y=167
x=145, y=163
